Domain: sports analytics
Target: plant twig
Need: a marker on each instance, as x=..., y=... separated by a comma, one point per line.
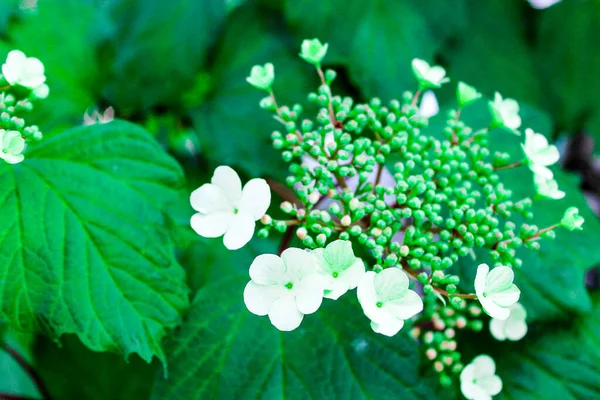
x=287, y=237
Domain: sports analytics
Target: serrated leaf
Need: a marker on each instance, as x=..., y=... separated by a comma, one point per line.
x=161, y=46
x=71, y=371
x=224, y=352
x=85, y=249
x=375, y=40
x=231, y=126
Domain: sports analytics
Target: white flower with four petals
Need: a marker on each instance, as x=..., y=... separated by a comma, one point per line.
x=539, y=154
x=387, y=301
x=505, y=112
x=284, y=288
x=18, y=69
x=341, y=270
x=514, y=328
x=496, y=291
x=478, y=380
x=225, y=209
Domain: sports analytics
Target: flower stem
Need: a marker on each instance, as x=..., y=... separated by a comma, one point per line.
x=509, y=166
x=332, y=118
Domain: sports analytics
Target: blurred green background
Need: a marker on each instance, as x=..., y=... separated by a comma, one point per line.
x=178, y=67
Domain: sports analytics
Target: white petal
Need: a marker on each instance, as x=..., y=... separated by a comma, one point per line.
x=429, y=105
x=268, y=269
x=492, y=309
x=497, y=329
x=353, y=275
x=390, y=284
x=492, y=385
x=209, y=198
x=515, y=330
x=240, y=231
x=33, y=73
x=367, y=297
x=284, y=314
x=256, y=198
x=499, y=278
x=506, y=297
x=309, y=294
x=259, y=298
x=211, y=225
x=298, y=263
x=544, y=172
x=12, y=158
x=484, y=366
x=405, y=307
x=388, y=328
x=335, y=287
x=339, y=253
x=229, y=182
x=480, y=278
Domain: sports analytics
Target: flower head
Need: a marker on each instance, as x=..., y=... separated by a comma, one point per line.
x=341, y=270
x=505, y=113
x=225, y=209
x=262, y=77
x=496, y=291
x=540, y=155
x=466, y=94
x=284, y=288
x=478, y=380
x=514, y=328
x=387, y=301
x=571, y=220
x=547, y=187
x=428, y=76
x=12, y=145
x=313, y=51
x=18, y=69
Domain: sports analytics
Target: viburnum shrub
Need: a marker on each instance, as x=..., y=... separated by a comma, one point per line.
x=368, y=181
x=21, y=84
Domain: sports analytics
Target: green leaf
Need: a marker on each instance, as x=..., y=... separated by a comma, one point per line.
x=68, y=54
x=160, y=47
x=85, y=248
x=554, y=363
x=569, y=56
x=71, y=371
x=14, y=379
x=230, y=124
x=224, y=352
x=375, y=40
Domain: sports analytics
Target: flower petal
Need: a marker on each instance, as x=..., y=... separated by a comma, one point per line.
x=515, y=330
x=229, y=182
x=499, y=278
x=492, y=385
x=492, y=309
x=506, y=297
x=405, y=307
x=353, y=275
x=497, y=329
x=268, y=269
x=256, y=198
x=309, y=294
x=388, y=328
x=390, y=284
x=480, y=278
x=339, y=253
x=367, y=297
x=211, y=225
x=284, y=314
x=298, y=263
x=335, y=287
x=240, y=231
x=484, y=366
x=259, y=298
x=210, y=198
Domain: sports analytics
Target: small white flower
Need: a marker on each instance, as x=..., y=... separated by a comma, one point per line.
x=20, y=70
x=387, y=301
x=478, y=380
x=505, y=112
x=225, y=209
x=514, y=328
x=96, y=118
x=429, y=105
x=284, y=288
x=428, y=76
x=547, y=187
x=496, y=291
x=540, y=155
x=12, y=146
x=541, y=4
x=342, y=271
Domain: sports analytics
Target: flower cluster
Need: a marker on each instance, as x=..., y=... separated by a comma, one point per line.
x=365, y=177
x=21, y=84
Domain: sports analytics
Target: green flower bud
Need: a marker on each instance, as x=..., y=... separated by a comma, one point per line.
x=313, y=51
x=571, y=219
x=262, y=77
x=466, y=94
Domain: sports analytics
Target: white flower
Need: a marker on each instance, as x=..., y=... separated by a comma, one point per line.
x=429, y=76
x=225, y=209
x=12, y=145
x=20, y=70
x=505, y=112
x=284, y=288
x=547, y=187
x=341, y=270
x=387, y=301
x=495, y=290
x=429, y=105
x=96, y=118
x=539, y=153
x=478, y=380
x=541, y=4
x=514, y=328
